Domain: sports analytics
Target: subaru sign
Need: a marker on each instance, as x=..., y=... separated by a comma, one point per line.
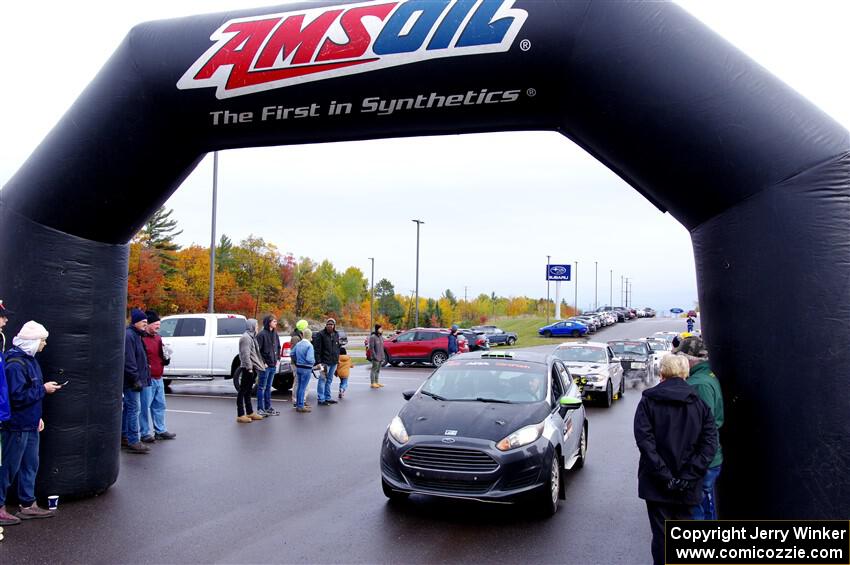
x=558, y=272
x=676, y=310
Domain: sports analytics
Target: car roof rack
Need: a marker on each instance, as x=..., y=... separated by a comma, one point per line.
x=497, y=355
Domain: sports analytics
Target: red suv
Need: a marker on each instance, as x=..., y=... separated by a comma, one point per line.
x=421, y=345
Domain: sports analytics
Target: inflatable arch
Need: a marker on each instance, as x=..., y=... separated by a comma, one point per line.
x=757, y=174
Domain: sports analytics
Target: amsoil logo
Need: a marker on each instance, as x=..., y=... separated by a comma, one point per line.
x=273, y=51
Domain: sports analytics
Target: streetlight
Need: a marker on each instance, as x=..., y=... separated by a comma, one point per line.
x=596, y=285
x=548, y=260
x=611, y=290
x=576, y=296
x=418, y=222
x=372, y=297
x=211, y=305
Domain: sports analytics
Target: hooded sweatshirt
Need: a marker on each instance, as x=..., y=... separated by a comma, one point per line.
x=269, y=343
x=675, y=433
x=26, y=391
x=343, y=370
x=249, y=351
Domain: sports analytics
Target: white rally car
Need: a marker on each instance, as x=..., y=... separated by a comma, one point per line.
x=597, y=364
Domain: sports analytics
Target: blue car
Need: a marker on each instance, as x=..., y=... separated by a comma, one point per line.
x=572, y=329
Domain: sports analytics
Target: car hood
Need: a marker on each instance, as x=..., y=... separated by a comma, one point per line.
x=483, y=420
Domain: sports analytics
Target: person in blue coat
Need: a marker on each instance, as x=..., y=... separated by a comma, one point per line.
x=137, y=375
x=19, y=436
x=453, y=340
x=5, y=409
x=305, y=358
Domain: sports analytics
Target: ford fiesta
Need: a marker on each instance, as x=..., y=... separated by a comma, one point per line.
x=493, y=427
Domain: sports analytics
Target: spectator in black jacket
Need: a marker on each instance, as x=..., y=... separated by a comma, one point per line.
x=326, y=345
x=269, y=343
x=137, y=375
x=677, y=439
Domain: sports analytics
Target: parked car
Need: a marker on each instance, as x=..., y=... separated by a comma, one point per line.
x=418, y=345
x=591, y=324
x=566, y=327
x=601, y=370
x=498, y=427
x=477, y=340
x=660, y=347
x=636, y=358
x=206, y=346
x=497, y=336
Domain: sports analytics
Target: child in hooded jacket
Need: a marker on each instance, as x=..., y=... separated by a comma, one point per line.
x=343, y=370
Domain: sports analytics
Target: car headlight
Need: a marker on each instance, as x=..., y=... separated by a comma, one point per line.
x=523, y=436
x=397, y=431
x=594, y=377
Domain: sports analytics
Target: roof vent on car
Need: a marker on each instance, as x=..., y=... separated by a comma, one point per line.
x=497, y=355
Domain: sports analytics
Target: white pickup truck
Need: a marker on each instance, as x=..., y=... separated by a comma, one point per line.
x=206, y=346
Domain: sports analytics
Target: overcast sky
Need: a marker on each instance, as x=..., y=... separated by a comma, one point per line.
x=486, y=199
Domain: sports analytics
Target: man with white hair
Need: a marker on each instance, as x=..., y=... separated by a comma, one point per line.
x=19, y=436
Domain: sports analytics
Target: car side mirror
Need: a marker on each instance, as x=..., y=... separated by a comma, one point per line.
x=570, y=402
x=408, y=394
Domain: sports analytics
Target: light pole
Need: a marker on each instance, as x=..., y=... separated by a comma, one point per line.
x=211, y=306
x=548, y=260
x=611, y=290
x=627, y=292
x=596, y=285
x=418, y=222
x=576, y=289
x=372, y=297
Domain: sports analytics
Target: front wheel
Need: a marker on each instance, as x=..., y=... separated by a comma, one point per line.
x=576, y=333
x=547, y=502
x=609, y=395
x=511, y=341
x=438, y=358
x=393, y=495
x=547, y=333
x=622, y=386
x=582, y=449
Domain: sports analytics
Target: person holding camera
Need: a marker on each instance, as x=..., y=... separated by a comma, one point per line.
x=677, y=438
x=137, y=375
x=19, y=436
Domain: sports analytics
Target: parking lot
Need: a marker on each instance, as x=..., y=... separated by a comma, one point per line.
x=306, y=488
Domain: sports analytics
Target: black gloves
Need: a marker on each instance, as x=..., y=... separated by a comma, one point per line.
x=679, y=485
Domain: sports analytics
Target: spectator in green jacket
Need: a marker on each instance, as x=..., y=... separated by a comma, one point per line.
x=707, y=388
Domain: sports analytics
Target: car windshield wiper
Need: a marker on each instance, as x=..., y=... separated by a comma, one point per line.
x=481, y=399
x=432, y=395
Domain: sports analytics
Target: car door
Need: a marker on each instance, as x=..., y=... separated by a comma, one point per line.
x=573, y=419
x=426, y=342
x=560, y=328
x=615, y=369
x=557, y=416
x=190, y=346
x=401, y=346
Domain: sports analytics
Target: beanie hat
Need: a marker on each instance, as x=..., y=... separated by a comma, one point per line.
x=301, y=325
x=32, y=331
x=4, y=312
x=137, y=316
x=330, y=321
x=693, y=346
x=152, y=316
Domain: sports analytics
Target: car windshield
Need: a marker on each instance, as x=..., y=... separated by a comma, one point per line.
x=628, y=348
x=657, y=345
x=488, y=380
x=584, y=354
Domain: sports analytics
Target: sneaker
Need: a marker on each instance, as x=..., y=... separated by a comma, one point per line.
x=330, y=401
x=322, y=403
x=244, y=419
x=303, y=409
x=261, y=412
x=272, y=412
x=148, y=439
x=256, y=416
x=34, y=512
x=138, y=448
x=7, y=519
x=341, y=394
x=165, y=435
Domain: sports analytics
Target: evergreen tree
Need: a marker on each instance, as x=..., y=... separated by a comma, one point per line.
x=158, y=234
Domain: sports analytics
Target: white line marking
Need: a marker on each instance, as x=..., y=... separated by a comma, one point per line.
x=187, y=411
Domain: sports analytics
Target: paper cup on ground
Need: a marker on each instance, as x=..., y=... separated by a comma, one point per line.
x=52, y=502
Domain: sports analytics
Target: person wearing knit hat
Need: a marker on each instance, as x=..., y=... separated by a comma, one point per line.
x=326, y=344
x=137, y=375
x=152, y=397
x=19, y=436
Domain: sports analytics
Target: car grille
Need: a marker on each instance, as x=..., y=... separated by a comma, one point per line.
x=449, y=459
x=453, y=486
x=522, y=479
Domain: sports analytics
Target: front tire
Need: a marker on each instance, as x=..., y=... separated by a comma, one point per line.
x=609, y=395
x=582, y=449
x=438, y=358
x=393, y=495
x=547, y=333
x=622, y=387
x=511, y=341
x=547, y=503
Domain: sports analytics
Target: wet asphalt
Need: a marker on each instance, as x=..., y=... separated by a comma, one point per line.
x=305, y=488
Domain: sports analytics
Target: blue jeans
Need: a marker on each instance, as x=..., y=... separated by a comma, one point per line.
x=20, y=457
x=343, y=384
x=323, y=393
x=153, y=407
x=706, y=510
x=264, y=388
x=130, y=416
x=303, y=376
